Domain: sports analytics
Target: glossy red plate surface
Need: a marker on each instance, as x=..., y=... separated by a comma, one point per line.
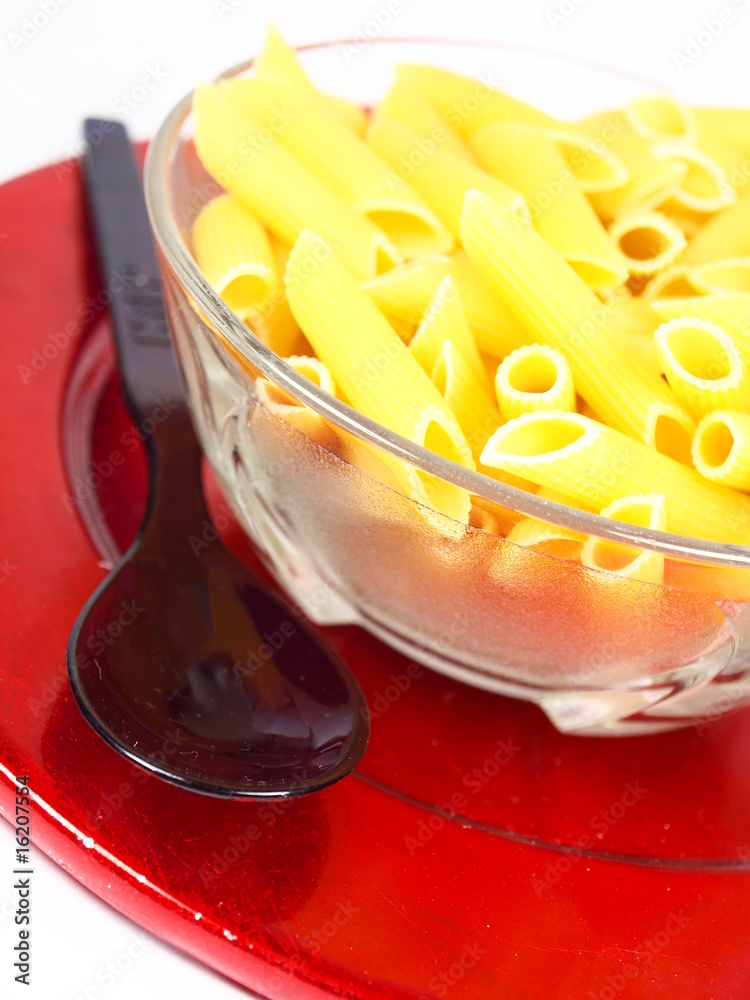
x=476, y=852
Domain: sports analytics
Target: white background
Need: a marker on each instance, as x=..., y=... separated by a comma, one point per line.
x=93, y=58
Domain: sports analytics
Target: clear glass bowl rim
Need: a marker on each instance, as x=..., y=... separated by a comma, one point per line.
x=273, y=367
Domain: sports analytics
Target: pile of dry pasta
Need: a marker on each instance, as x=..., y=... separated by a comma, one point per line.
x=561, y=306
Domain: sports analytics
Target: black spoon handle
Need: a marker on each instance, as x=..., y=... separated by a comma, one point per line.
x=129, y=269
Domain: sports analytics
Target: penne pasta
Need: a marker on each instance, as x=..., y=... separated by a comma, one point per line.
x=374, y=369
x=725, y=235
x=673, y=282
x=278, y=61
x=730, y=312
x=703, y=366
x=528, y=161
x=661, y=118
x=348, y=113
x=548, y=538
x=405, y=293
x=646, y=510
x=490, y=517
x=534, y=378
x=280, y=404
x=407, y=105
x=717, y=276
x=437, y=174
x=278, y=188
x=467, y=397
x=272, y=319
x=593, y=165
x=635, y=322
x=648, y=241
x=445, y=321
x=467, y=105
x=342, y=161
x=733, y=123
x=704, y=186
x=233, y=251
x=595, y=464
x=313, y=369
x=719, y=147
x=649, y=181
x=517, y=263
x=721, y=448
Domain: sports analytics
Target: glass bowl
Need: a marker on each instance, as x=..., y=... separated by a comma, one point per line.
x=601, y=654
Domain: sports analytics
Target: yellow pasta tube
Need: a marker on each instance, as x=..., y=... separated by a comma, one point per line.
x=703, y=366
x=444, y=321
x=408, y=105
x=596, y=465
x=303, y=418
x=704, y=186
x=635, y=322
x=649, y=241
x=727, y=234
x=373, y=368
x=467, y=105
x=646, y=510
x=314, y=370
x=712, y=141
x=730, y=311
x=272, y=319
x=233, y=251
x=278, y=61
x=733, y=123
x=467, y=397
x=528, y=161
x=661, y=117
x=348, y=113
x=721, y=448
x=649, y=181
x=594, y=166
x=718, y=276
x=672, y=282
x=441, y=177
x=534, y=378
x=405, y=293
x=278, y=188
x=342, y=161
x=548, y=538
x=554, y=303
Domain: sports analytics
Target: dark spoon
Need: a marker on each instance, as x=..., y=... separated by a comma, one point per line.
x=182, y=660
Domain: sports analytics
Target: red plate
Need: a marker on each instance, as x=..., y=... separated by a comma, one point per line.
x=476, y=852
